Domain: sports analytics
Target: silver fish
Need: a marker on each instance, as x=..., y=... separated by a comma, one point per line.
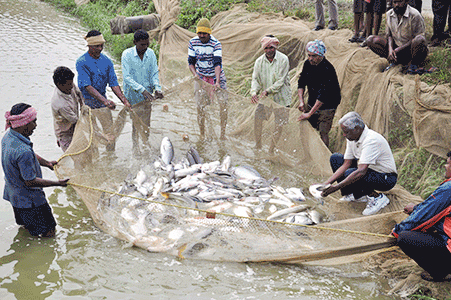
x=315, y=216
x=190, y=158
x=166, y=150
x=196, y=156
x=246, y=172
x=283, y=212
x=225, y=165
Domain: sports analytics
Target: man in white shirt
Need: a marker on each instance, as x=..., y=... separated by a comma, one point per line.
x=366, y=166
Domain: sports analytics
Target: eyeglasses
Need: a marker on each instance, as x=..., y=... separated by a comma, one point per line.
x=267, y=48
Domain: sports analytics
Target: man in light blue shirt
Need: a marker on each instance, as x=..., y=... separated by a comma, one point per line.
x=140, y=73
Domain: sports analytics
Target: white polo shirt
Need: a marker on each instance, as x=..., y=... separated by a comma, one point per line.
x=372, y=149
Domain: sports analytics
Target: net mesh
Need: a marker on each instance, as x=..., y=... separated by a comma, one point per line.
x=162, y=220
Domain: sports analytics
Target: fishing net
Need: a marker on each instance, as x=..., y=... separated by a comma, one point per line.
x=155, y=216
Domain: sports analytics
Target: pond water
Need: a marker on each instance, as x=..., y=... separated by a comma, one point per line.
x=82, y=262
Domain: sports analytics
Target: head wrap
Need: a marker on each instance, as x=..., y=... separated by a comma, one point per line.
x=95, y=40
x=317, y=47
x=268, y=41
x=203, y=26
x=24, y=118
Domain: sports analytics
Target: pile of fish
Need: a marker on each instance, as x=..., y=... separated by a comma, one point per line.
x=190, y=187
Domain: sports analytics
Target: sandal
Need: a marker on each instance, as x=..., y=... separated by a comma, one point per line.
x=412, y=69
x=354, y=39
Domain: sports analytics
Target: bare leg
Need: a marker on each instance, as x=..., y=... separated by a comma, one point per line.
x=378, y=45
x=258, y=124
x=368, y=25
x=223, y=117
x=276, y=137
x=377, y=23
x=201, y=120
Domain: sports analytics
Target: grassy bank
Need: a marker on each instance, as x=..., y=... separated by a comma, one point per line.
x=97, y=15
x=420, y=172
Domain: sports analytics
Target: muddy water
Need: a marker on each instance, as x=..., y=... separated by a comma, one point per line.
x=82, y=262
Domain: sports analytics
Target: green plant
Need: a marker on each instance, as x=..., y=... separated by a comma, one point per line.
x=193, y=10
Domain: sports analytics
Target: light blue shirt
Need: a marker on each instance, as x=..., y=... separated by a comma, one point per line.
x=19, y=164
x=96, y=73
x=139, y=75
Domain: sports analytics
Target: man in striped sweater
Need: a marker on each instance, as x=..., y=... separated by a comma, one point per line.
x=205, y=63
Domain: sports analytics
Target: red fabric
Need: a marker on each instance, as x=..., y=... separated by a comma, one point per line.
x=24, y=118
x=447, y=229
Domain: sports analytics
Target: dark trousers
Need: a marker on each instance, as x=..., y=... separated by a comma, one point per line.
x=371, y=181
x=428, y=251
x=440, y=8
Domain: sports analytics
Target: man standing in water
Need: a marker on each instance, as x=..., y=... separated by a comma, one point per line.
x=205, y=63
x=319, y=75
x=140, y=72
x=366, y=166
x=23, y=175
x=66, y=100
x=95, y=71
x=270, y=78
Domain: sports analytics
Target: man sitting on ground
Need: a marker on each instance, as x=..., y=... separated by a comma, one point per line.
x=404, y=42
x=366, y=166
x=425, y=236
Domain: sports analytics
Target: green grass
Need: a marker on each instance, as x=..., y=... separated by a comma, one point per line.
x=193, y=10
x=97, y=15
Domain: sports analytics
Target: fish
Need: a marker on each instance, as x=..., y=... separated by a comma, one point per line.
x=315, y=216
x=317, y=189
x=140, y=178
x=158, y=187
x=281, y=213
x=221, y=207
x=210, y=167
x=246, y=172
x=166, y=151
x=295, y=194
x=242, y=211
x=281, y=202
x=226, y=163
x=188, y=171
x=190, y=158
x=196, y=155
x=277, y=192
x=176, y=234
x=301, y=219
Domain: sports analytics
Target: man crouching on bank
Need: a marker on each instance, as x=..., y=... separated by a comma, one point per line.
x=366, y=166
